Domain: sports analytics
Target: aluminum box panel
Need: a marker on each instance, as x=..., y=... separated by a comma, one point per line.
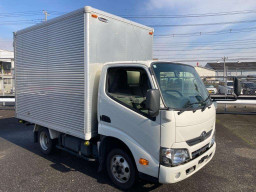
x=50, y=75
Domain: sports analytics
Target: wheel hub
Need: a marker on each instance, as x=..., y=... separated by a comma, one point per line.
x=44, y=141
x=120, y=169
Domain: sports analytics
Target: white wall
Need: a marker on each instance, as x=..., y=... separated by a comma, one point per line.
x=205, y=72
x=6, y=54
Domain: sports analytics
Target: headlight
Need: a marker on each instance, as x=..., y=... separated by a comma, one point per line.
x=213, y=139
x=173, y=157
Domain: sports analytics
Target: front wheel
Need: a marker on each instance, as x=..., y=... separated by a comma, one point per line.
x=121, y=169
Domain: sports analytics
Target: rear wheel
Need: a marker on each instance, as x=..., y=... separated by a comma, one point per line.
x=45, y=142
x=121, y=169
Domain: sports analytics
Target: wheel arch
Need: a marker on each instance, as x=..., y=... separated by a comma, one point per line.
x=107, y=144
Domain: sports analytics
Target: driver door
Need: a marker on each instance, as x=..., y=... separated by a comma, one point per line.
x=122, y=111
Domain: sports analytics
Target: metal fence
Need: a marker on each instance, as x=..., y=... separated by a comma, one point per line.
x=221, y=90
x=7, y=82
x=218, y=85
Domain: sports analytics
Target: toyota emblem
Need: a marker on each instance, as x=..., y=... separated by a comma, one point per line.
x=203, y=135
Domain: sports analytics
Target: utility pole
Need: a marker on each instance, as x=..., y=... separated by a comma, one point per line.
x=2, y=70
x=12, y=72
x=45, y=15
x=225, y=74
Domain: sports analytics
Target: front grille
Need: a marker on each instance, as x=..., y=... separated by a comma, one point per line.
x=200, y=151
x=199, y=139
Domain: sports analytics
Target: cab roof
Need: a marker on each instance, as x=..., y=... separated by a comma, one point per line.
x=147, y=62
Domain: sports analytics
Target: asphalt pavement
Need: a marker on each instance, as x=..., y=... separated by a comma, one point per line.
x=24, y=168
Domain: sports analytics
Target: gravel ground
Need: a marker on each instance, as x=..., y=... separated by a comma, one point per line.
x=24, y=168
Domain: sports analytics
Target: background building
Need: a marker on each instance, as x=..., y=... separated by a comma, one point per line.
x=203, y=71
x=6, y=72
x=233, y=68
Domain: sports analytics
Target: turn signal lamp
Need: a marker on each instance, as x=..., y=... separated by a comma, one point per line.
x=143, y=161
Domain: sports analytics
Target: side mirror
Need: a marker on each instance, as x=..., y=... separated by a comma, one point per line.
x=237, y=86
x=153, y=102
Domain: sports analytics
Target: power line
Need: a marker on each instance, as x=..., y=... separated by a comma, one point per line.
x=140, y=16
x=230, y=40
x=31, y=12
x=204, y=44
x=18, y=22
x=203, y=24
x=190, y=15
x=227, y=46
x=217, y=58
x=204, y=49
x=200, y=55
x=193, y=56
x=248, y=29
x=25, y=15
x=212, y=43
x=25, y=20
x=214, y=60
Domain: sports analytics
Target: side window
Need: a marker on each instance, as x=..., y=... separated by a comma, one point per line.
x=128, y=86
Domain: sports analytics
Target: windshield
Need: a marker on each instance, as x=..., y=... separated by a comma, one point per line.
x=181, y=86
x=230, y=83
x=209, y=86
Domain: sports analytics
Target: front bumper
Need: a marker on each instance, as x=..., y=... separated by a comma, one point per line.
x=168, y=174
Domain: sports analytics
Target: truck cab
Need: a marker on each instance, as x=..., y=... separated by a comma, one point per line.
x=162, y=113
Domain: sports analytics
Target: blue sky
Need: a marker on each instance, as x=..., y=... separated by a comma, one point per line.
x=19, y=14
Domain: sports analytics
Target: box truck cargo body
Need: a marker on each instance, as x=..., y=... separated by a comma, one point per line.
x=88, y=82
x=58, y=65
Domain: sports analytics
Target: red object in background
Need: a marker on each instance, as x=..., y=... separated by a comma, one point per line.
x=197, y=64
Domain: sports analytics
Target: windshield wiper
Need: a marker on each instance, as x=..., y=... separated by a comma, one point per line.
x=189, y=105
x=204, y=102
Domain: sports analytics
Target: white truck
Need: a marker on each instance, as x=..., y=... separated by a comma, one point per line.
x=87, y=82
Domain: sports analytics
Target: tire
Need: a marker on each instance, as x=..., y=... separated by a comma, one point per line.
x=45, y=142
x=121, y=169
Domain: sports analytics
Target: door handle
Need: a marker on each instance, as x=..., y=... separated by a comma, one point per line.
x=105, y=118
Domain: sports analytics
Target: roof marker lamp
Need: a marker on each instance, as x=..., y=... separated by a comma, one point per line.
x=94, y=16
